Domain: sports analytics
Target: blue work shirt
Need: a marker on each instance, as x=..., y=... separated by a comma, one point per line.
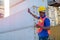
x=44, y=33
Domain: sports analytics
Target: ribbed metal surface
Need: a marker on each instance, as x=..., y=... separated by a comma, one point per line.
x=55, y=3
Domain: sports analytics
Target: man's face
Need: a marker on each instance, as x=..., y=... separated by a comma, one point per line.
x=41, y=14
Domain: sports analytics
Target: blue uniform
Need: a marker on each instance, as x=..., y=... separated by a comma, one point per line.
x=44, y=33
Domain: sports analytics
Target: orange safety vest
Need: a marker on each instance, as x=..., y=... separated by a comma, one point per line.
x=41, y=23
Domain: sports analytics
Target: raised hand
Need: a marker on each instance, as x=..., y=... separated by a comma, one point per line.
x=29, y=10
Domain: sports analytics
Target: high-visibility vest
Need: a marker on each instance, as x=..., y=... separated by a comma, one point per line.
x=41, y=23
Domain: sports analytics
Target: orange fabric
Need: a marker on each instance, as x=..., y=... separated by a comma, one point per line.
x=49, y=31
x=41, y=23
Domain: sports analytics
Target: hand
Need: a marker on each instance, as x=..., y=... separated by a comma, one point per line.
x=37, y=26
x=29, y=10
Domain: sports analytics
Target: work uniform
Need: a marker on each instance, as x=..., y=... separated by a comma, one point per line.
x=43, y=35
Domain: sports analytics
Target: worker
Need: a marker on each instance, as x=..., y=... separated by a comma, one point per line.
x=43, y=23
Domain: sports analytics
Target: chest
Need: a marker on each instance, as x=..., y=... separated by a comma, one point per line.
x=41, y=21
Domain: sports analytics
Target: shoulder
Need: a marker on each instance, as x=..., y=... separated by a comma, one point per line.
x=47, y=19
x=47, y=22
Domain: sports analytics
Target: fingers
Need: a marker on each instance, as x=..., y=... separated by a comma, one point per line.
x=28, y=10
x=37, y=26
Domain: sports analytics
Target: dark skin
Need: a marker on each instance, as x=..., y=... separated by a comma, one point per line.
x=41, y=14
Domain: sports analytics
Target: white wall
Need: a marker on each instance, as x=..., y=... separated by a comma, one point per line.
x=18, y=35
x=26, y=4
x=19, y=25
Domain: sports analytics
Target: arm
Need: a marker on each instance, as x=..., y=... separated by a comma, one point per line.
x=47, y=24
x=47, y=28
x=32, y=14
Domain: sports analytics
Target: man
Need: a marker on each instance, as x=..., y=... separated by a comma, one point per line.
x=43, y=32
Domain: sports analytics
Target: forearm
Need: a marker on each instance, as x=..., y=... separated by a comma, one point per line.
x=46, y=28
x=34, y=15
